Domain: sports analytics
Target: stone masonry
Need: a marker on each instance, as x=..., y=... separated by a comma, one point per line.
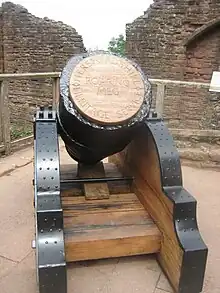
x=32, y=44
x=180, y=40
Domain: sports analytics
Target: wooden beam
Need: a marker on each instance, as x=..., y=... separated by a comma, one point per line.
x=1, y=118
x=160, y=99
x=5, y=116
x=56, y=91
x=37, y=75
x=94, y=190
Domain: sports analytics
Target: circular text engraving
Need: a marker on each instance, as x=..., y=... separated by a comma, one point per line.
x=107, y=89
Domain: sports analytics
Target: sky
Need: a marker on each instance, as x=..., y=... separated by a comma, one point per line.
x=96, y=20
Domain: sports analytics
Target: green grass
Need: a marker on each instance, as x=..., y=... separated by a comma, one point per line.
x=20, y=130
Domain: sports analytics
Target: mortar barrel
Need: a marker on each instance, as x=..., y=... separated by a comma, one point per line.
x=104, y=98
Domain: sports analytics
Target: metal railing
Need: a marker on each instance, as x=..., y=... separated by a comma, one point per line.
x=6, y=144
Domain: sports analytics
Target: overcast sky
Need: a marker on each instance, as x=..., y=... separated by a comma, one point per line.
x=96, y=20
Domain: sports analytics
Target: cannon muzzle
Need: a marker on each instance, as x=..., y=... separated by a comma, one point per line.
x=104, y=98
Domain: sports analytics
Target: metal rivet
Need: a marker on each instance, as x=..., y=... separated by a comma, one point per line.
x=44, y=178
x=55, y=242
x=51, y=230
x=41, y=230
x=44, y=159
x=40, y=168
x=48, y=168
x=45, y=220
x=46, y=242
x=52, y=178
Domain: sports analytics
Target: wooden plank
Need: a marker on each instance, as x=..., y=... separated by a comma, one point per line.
x=34, y=75
x=143, y=160
x=160, y=99
x=112, y=232
x=123, y=245
x=56, y=91
x=1, y=118
x=137, y=216
x=94, y=190
x=79, y=205
x=5, y=116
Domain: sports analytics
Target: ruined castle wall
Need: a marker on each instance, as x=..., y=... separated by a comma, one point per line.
x=32, y=44
x=157, y=41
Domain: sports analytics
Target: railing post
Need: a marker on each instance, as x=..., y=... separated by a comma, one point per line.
x=1, y=118
x=5, y=116
x=56, y=91
x=160, y=99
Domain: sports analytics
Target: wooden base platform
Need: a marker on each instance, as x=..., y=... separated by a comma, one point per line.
x=152, y=213
x=134, y=204
x=118, y=226
x=115, y=227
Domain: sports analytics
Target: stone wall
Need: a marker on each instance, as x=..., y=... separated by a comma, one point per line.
x=180, y=40
x=32, y=44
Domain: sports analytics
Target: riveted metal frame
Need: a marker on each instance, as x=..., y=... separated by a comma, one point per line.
x=49, y=241
x=184, y=215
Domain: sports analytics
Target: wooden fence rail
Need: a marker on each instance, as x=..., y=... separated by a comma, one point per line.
x=6, y=145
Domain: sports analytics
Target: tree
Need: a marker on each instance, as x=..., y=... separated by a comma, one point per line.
x=117, y=45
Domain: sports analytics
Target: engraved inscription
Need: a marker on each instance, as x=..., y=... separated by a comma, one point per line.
x=107, y=91
x=107, y=88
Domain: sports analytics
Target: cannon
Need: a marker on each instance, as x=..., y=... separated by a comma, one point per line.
x=123, y=193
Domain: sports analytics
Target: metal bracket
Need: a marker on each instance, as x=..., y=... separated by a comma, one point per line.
x=50, y=254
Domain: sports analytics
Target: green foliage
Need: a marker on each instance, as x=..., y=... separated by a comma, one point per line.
x=117, y=45
x=20, y=131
